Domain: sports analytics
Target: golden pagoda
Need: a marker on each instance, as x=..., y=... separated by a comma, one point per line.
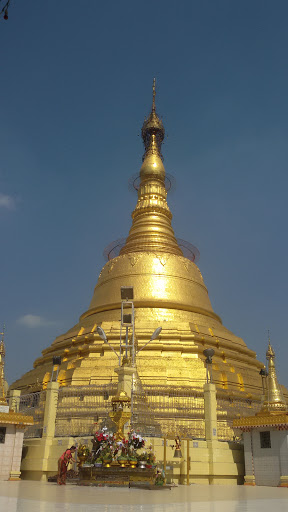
x=169, y=290
x=274, y=401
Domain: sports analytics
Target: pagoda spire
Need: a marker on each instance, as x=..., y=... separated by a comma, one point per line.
x=274, y=401
x=153, y=132
x=151, y=227
x=154, y=95
x=3, y=400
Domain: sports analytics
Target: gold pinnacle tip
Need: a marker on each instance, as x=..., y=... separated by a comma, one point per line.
x=154, y=95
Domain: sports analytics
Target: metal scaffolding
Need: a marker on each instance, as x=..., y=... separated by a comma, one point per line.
x=157, y=411
x=33, y=404
x=81, y=408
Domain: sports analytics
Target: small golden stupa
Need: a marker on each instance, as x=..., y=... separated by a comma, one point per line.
x=274, y=401
x=274, y=411
x=169, y=291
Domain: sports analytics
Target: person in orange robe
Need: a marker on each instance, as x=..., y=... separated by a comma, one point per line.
x=63, y=462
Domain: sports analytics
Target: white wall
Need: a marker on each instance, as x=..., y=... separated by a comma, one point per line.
x=267, y=467
x=11, y=452
x=6, y=452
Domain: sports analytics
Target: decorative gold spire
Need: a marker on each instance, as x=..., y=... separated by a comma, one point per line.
x=153, y=132
x=274, y=401
x=3, y=400
x=151, y=229
x=154, y=94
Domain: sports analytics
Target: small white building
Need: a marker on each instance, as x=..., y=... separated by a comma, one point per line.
x=12, y=426
x=266, y=435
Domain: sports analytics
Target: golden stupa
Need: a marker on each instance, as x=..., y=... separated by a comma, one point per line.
x=274, y=401
x=169, y=291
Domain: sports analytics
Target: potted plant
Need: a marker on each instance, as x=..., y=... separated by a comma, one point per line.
x=98, y=462
x=150, y=460
x=133, y=459
x=83, y=453
x=160, y=478
x=141, y=457
x=123, y=457
x=135, y=442
x=107, y=458
x=105, y=448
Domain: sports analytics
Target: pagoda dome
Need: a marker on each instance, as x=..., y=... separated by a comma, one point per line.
x=160, y=280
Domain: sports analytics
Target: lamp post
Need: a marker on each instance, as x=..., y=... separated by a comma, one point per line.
x=208, y=353
x=56, y=361
x=103, y=336
x=127, y=320
x=126, y=371
x=153, y=337
x=264, y=373
x=127, y=367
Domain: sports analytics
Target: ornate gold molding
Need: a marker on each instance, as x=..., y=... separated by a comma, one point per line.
x=262, y=421
x=161, y=304
x=13, y=418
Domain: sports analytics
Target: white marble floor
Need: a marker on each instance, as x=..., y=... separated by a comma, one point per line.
x=27, y=496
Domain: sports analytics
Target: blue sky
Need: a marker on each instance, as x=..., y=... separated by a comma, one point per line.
x=75, y=87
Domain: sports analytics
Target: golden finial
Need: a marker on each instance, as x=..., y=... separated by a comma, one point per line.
x=2, y=346
x=153, y=130
x=154, y=95
x=2, y=333
x=270, y=352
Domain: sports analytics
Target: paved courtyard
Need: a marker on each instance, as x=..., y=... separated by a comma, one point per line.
x=27, y=496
